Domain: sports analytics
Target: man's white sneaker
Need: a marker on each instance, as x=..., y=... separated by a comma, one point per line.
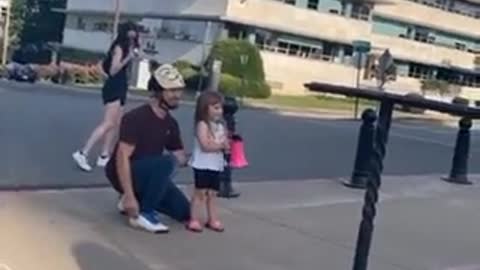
x=121, y=209
x=102, y=161
x=120, y=206
x=81, y=161
x=148, y=222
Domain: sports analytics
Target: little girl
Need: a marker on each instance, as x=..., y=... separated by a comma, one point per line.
x=208, y=159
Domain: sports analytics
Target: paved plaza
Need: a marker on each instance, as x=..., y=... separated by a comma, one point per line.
x=293, y=212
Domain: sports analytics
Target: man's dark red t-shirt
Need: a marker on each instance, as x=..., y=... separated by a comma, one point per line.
x=150, y=134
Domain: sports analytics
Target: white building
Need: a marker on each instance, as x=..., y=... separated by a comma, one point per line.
x=300, y=40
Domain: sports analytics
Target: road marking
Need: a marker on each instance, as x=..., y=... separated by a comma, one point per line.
x=394, y=134
x=465, y=267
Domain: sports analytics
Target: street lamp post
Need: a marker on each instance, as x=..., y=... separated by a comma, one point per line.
x=116, y=19
x=243, y=61
x=6, y=33
x=360, y=47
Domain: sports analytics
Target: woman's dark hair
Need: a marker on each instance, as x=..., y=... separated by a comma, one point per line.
x=122, y=39
x=205, y=100
x=123, y=42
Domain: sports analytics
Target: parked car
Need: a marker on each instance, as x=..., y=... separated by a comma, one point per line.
x=21, y=72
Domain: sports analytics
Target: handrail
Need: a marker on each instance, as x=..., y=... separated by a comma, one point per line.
x=435, y=105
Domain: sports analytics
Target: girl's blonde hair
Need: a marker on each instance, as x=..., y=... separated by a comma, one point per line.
x=204, y=101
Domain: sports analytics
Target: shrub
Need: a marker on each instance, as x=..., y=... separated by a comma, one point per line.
x=230, y=85
x=3, y=72
x=410, y=109
x=256, y=89
x=79, y=56
x=441, y=87
x=95, y=75
x=233, y=86
x=229, y=51
x=46, y=72
x=182, y=65
x=460, y=101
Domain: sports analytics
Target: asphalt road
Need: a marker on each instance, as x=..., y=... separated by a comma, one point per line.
x=41, y=125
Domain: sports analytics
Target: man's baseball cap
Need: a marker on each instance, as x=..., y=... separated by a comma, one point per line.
x=168, y=77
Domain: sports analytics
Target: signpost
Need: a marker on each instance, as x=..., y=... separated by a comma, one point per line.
x=360, y=48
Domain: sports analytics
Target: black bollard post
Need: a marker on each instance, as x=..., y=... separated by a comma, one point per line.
x=364, y=151
x=459, y=171
x=230, y=107
x=369, y=210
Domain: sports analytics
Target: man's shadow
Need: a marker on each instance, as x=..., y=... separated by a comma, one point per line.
x=92, y=256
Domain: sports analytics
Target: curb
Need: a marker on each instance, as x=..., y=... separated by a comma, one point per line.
x=134, y=94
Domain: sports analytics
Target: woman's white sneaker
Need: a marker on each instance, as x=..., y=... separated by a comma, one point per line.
x=102, y=161
x=81, y=161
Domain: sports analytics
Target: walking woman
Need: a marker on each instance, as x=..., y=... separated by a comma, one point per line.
x=114, y=93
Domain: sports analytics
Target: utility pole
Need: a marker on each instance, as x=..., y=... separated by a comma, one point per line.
x=116, y=19
x=6, y=33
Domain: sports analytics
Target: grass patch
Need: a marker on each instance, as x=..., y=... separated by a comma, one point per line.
x=316, y=102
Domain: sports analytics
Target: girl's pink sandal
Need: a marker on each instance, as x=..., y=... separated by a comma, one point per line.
x=215, y=226
x=194, y=226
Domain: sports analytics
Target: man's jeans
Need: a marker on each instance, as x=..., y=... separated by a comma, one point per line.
x=152, y=181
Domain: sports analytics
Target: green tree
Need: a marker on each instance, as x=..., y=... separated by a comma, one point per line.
x=41, y=22
x=441, y=87
x=229, y=51
x=17, y=15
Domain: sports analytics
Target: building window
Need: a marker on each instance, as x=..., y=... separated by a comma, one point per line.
x=460, y=46
x=421, y=35
x=420, y=71
x=80, y=24
x=101, y=26
x=312, y=4
x=290, y=2
x=459, y=7
x=361, y=12
x=282, y=47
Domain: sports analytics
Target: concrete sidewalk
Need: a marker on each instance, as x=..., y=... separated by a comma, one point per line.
x=423, y=224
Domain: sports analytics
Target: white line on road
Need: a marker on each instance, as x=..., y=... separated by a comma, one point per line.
x=395, y=134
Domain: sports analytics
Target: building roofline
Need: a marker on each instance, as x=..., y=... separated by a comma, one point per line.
x=425, y=24
x=151, y=15
x=287, y=30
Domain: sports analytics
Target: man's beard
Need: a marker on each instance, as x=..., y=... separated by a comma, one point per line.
x=164, y=105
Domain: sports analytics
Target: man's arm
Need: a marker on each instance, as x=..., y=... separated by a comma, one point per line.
x=175, y=145
x=124, y=172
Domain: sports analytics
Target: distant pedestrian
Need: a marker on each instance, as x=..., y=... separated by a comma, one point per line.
x=207, y=160
x=114, y=93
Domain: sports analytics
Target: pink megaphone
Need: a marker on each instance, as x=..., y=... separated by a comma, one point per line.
x=237, y=152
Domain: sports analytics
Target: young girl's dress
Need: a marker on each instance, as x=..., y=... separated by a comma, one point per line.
x=207, y=166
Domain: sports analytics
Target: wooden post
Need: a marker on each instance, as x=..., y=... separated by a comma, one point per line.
x=116, y=19
x=6, y=34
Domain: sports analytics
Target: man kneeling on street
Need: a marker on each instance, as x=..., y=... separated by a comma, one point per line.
x=139, y=168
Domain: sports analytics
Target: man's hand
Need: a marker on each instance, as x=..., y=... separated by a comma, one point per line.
x=130, y=204
x=182, y=158
x=226, y=145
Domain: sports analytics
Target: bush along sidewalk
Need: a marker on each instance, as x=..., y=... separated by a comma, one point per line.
x=239, y=79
